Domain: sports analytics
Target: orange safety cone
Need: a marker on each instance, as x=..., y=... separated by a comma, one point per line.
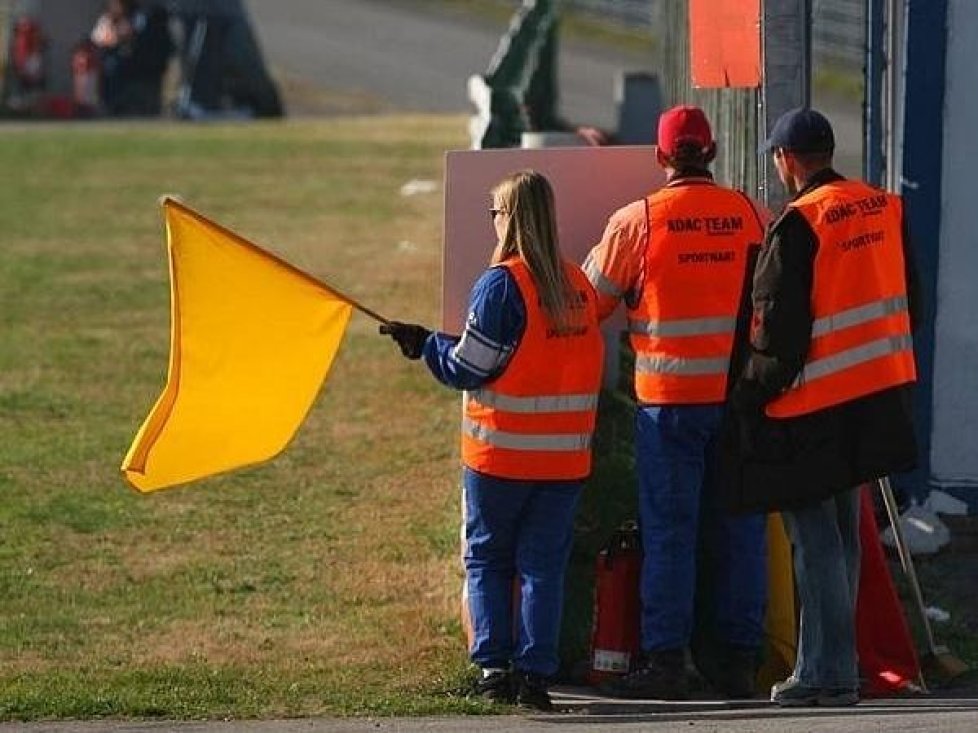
x=888, y=662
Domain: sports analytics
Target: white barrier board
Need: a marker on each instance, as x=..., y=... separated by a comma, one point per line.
x=590, y=183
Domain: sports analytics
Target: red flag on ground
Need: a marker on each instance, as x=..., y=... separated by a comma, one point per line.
x=888, y=660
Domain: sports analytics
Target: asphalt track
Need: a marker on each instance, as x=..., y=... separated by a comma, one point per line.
x=410, y=59
x=407, y=56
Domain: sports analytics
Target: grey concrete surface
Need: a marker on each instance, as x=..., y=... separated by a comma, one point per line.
x=581, y=712
x=408, y=56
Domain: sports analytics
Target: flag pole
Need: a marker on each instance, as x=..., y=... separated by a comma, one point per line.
x=169, y=200
x=359, y=306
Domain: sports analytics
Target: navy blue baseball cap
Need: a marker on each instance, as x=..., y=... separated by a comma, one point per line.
x=801, y=130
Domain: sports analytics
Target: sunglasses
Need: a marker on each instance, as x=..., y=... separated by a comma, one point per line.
x=493, y=213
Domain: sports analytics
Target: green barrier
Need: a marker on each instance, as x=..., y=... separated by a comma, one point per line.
x=518, y=92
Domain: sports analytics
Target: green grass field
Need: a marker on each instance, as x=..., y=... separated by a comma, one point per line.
x=323, y=582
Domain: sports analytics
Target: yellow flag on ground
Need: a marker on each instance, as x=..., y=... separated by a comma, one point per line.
x=252, y=339
x=779, y=624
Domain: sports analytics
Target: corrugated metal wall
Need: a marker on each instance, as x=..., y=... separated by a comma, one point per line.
x=839, y=32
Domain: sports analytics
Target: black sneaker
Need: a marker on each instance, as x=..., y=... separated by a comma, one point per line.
x=838, y=697
x=531, y=692
x=729, y=670
x=793, y=694
x=661, y=676
x=496, y=687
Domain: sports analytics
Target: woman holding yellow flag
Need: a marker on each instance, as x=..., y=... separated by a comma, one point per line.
x=529, y=362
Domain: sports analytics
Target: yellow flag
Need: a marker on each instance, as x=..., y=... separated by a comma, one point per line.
x=252, y=339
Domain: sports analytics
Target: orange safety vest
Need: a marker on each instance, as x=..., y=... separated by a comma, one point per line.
x=535, y=421
x=861, y=340
x=682, y=328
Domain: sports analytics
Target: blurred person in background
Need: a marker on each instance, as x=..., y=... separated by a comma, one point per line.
x=134, y=47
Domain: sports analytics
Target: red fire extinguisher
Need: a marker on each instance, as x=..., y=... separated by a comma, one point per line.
x=617, y=607
x=27, y=53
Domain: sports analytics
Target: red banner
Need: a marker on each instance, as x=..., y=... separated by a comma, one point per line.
x=725, y=43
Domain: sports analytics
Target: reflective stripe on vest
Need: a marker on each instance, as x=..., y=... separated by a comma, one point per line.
x=682, y=326
x=860, y=314
x=851, y=357
x=602, y=284
x=857, y=348
x=660, y=364
x=539, y=404
x=559, y=442
x=534, y=422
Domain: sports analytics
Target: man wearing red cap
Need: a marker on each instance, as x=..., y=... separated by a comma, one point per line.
x=679, y=260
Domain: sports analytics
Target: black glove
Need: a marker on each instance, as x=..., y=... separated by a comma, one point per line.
x=747, y=398
x=409, y=336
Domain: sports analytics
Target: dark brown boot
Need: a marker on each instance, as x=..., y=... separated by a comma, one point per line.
x=531, y=692
x=661, y=676
x=496, y=687
x=729, y=670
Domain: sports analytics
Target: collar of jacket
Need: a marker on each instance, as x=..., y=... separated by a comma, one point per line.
x=826, y=175
x=689, y=176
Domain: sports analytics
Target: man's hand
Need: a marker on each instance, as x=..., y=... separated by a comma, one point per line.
x=409, y=336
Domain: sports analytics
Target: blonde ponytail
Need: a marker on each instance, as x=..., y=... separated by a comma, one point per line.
x=531, y=235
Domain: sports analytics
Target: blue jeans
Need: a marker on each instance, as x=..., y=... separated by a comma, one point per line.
x=682, y=517
x=825, y=538
x=518, y=530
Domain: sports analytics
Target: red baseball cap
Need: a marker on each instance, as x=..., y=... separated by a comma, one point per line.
x=683, y=124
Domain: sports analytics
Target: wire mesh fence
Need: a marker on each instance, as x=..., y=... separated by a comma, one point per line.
x=838, y=26
x=839, y=32
x=634, y=14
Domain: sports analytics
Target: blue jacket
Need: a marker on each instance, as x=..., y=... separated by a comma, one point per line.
x=493, y=328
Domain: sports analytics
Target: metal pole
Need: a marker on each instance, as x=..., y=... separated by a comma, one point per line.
x=873, y=156
x=787, y=53
x=890, y=92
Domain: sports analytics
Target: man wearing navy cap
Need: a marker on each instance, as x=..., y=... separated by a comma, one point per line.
x=822, y=392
